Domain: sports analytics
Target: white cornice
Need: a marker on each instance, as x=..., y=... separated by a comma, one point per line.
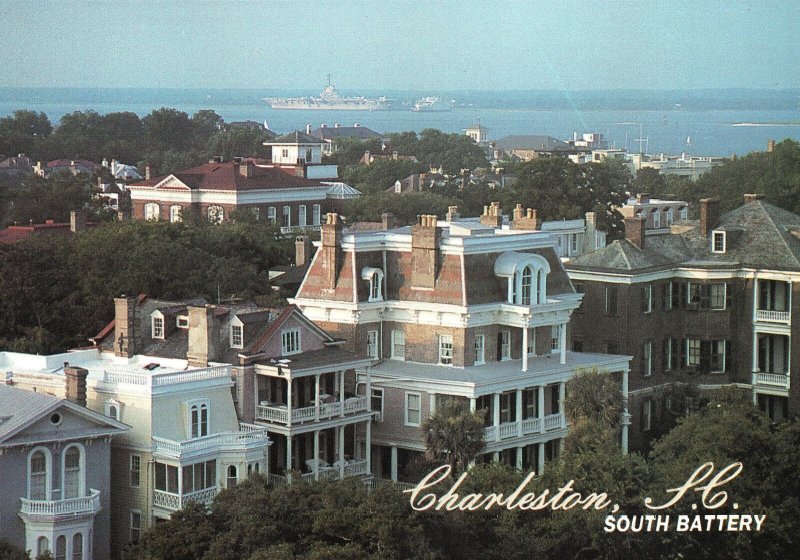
x=682, y=272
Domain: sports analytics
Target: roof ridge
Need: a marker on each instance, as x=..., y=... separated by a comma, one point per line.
x=781, y=234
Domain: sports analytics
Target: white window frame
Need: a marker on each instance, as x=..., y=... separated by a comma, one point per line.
x=215, y=214
x=648, y=294
x=157, y=325
x=398, y=345
x=301, y=215
x=480, y=349
x=668, y=365
x=711, y=288
x=316, y=214
x=377, y=392
x=81, y=471
x=175, y=216
x=505, y=346
x=152, y=211
x=182, y=321
x=48, y=474
x=722, y=236
x=135, y=468
x=135, y=525
x=555, y=339
x=372, y=344
x=656, y=219
x=231, y=481
x=286, y=214
x=237, y=334
x=647, y=356
x=445, y=353
x=291, y=342
x=689, y=345
x=272, y=214
x=113, y=409
x=198, y=428
x=724, y=345
x=647, y=413
x=573, y=244
x=408, y=420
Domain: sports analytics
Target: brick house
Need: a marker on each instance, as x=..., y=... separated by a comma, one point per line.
x=464, y=310
x=714, y=303
x=215, y=189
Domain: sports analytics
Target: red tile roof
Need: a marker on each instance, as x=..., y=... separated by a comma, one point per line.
x=226, y=177
x=13, y=234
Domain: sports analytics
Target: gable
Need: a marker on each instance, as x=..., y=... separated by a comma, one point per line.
x=171, y=182
x=64, y=422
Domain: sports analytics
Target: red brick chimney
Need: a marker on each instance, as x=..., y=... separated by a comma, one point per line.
x=424, y=252
x=147, y=173
x=492, y=216
x=643, y=197
x=526, y=219
x=75, y=384
x=634, y=230
x=331, y=249
x=302, y=250
x=709, y=215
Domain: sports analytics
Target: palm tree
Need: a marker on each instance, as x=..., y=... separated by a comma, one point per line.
x=454, y=435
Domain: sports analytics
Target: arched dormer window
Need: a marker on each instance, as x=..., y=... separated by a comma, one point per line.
x=527, y=277
x=375, y=278
x=73, y=471
x=39, y=476
x=157, y=325
x=237, y=333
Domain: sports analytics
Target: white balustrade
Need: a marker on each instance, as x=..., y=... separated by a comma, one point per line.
x=280, y=414
x=168, y=500
x=247, y=438
x=773, y=379
x=531, y=426
x=770, y=316
x=160, y=379
x=85, y=504
x=554, y=422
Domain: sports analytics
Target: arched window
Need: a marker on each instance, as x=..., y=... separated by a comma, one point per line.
x=216, y=214
x=199, y=420
x=77, y=546
x=656, y=218
x=73, y=472
x=175, y=214
x=527, y=285
x=669, y=214
x=61, y=548
x=39, y=475
x=42, y=545
x=233, y=476
x=152, y=211
x=375, y=278
x=684, y=213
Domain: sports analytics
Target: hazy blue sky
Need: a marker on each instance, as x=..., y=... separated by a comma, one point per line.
x=402, y=45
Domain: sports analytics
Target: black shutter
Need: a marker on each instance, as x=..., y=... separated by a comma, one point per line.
x=705, y=356
x=728, y=357
x=728, y=295
x=499, y=346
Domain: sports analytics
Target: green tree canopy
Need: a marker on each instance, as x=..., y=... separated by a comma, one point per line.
x=454, y=435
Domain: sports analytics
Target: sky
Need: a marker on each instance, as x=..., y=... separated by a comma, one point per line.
x=402, y=45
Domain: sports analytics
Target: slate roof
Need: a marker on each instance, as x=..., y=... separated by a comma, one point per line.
x=361, y=132
x=295, y=137
x=759, y=235
x=226, y=177
x=537, y=142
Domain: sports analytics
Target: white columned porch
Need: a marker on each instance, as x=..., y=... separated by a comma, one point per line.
x=289, y=458
x=540, y=407
x=496, y=414
x=341, y=393
x=368, y=446
x=316, y=454
x=562, y=343
x=394, y=463
x=340, y=431
x=519, y=412
x=316, y=396
x=540, y=459
x=525, y=348
x=626, y=415
x=288, y=402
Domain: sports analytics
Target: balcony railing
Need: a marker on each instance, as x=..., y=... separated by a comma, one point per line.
x=158, y=379
x=376, y=482
x=248, y=437
x=299, y=229
x=174, y=502
x=771, y=379
x=280, y=414
x=356, y=467
x=526, y=427
x=770, y=316
x=70, y=506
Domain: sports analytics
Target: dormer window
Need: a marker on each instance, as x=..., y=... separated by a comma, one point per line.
x=182, y=321
x=718, y=242
x=375, y=278
x=157, y=325
x=527, y=277
x=237, y=335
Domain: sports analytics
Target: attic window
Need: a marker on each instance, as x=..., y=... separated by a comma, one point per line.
x=375, y=278
x=157, y=325
x=182, y=321
x=237, y=336
x=718, y=242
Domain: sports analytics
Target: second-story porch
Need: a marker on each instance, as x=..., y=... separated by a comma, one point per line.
x=773, y=302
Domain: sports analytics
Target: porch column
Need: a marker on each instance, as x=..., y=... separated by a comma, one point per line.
x=540, y=408
x=394, y=463
x=368, y=446
x=755, y=350
x=368, y=389
x=519, y=458
x=519, y=412
x=341, y=448
x=316, y=454
x=525, y=348
x=289, y=458
x=472, y=404
x=341, y=393
x=496, y=456
x=316, y=396
x=626, y=416
x=562, y=393
x=289, y=402
x=562, y=335
x=540, y=462
x=432, y=400
x=496, y=413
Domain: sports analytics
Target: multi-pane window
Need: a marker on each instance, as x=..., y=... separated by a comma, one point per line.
x=375, y=287
x=136, y=470
x=446, y=349
x=317, y=210
x=692, y=352
x=237, y=336
x=718, y=242
x=61, y=548
x=647, y=358
x=671, y=358
x=647, y=298
x=480, y=349
x=77, y=546
x=290, y=341
x=666, y=295
x=232, y=477
x=38, y=476
x=287, y=216
x=72, y=473
x=175, y=214
x=151, y=211
x=372, y=344
x=611, y=300
x=398, y=345
x=413, y=409
x=158, y=327
x=272, y=214
x=717, y=356
x=136, y=525
x=505, y=345
x=199, y=420
x=656, y=219
x=717, y=295
x=527, y=285
x=708, y=296
x=376, y=402
x=555, y=338
x=647, y=414
x=301, y=215
x=531, y=342
x=507, y=403
x=199, y=476
x=573, y=244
